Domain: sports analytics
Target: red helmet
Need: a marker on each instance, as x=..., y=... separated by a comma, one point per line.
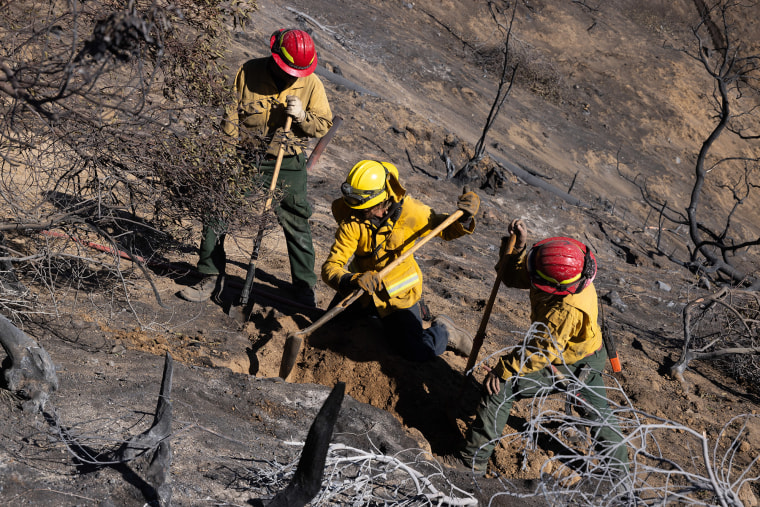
x=294, y=52
x=561, y=266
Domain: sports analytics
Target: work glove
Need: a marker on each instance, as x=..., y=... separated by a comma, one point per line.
x=469, y=202
x=295, y=108
x=517, y=227
x=369, y=281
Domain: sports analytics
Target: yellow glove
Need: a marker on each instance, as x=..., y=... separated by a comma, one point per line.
x=368, y=281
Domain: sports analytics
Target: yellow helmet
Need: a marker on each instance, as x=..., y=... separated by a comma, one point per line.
x=366, y=184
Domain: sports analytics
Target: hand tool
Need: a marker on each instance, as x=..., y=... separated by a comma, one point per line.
x=294, y=341
x=241, y=311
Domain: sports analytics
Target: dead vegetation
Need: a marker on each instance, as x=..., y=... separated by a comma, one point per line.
x=96, y=179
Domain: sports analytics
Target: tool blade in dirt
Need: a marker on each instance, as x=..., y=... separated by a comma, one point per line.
x=294, y=342
x=290, y=353
x=242, y=310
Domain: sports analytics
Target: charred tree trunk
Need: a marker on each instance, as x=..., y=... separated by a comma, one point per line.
x=31, y=372
x=156, y=439
x=307, y=479
x=712, y=28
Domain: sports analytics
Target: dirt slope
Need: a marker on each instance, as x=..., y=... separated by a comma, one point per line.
x=600, y=98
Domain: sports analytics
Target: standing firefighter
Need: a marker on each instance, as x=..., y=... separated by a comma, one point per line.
x=559, y=273
x=377, y=222
x=267, y=91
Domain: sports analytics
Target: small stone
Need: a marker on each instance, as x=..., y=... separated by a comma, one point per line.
x=615, y=301
x=663, y=286
x=746, y=495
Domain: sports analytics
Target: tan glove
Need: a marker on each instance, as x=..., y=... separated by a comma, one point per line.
x=469, y=202
x=295, y=108
x=368, y=281
x=518, y=228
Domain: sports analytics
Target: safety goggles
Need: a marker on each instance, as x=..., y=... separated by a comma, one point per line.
x=355, y=197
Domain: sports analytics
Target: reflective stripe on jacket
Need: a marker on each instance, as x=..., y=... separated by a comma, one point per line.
x=374, y=248
x=571, y=320
x=260, y=106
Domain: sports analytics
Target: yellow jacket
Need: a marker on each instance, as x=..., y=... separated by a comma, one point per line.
x=260, y=107
x=571, y=320
x=373, y=248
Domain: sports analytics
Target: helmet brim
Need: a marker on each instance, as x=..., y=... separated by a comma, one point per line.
x=551, y=289
x=295, y=72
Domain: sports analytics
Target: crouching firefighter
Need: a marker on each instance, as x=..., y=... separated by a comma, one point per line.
x=377, y=222
x=559, y=273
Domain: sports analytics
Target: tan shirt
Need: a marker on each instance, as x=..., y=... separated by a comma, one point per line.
x=260, y=106
x=571, y=330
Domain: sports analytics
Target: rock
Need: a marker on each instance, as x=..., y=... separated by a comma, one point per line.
x=663, y=286
x=615, y=301
x=451, y=140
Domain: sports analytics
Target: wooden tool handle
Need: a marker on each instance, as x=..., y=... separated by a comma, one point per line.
x=477, y=342
x=294, y=341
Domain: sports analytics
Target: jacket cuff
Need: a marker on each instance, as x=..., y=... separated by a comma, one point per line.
x=501, y=371
x=345, y=284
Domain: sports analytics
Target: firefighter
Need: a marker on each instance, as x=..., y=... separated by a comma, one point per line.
x=267, y=89
x=559, y=272
x=377, y=222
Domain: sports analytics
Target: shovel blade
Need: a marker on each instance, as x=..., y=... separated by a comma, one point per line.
x=240, y=313
x=290, y=353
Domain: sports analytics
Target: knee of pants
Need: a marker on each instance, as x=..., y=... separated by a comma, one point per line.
x=296, y=205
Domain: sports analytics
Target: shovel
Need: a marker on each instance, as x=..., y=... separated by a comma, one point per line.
x=241, y=311
x=294, y=341
x=477, y=342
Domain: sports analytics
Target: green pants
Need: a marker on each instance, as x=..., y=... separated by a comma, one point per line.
x=293, y=213
x=493, y=411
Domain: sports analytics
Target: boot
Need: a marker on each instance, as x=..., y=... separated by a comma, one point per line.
x=459, y=340
x=203, y=290
x=458, y=462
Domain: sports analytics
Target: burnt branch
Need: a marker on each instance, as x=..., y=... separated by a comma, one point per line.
x=504, y=20
x=109, y=132
x=721, y=325
x=718, y=242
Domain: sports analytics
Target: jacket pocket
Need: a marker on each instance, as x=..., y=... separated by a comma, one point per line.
x=252, y=114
